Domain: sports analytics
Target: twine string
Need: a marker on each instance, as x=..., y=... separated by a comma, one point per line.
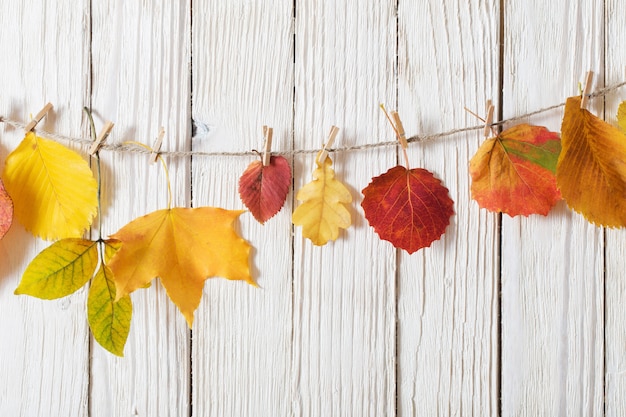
x=130, y=148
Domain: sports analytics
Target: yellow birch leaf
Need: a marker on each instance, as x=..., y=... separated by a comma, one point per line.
x=183, y=247
x=591, y=170
x=53, y=190
x=621, y=116
x=109, y=320
x=60, y=269
x=323, y=211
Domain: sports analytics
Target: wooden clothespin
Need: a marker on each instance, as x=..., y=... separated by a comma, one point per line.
x=104, y=133
x=397, y=126
x=157, y=146
x=586, y=90
x=267, y=149
x=29, y=127
x=331, y=139
x=400, y=130
x=488, y=119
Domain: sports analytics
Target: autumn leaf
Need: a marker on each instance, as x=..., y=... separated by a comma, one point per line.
x=263, y=189
x=6, y=211
x=52, y=187
x=621, y=116
x=591, y=172
x=109, y=320
x=183, y=247
x=60, y=269
x=514, y=171
x=323, y=212
x=409, y=208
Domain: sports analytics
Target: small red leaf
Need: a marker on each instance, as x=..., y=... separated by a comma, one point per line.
x=263, y=189
x=409, y=208
x=6, y=211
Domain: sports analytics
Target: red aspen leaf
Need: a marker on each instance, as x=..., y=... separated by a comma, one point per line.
x=183, y=247
x=263, y=189
x=513, y=172
x=6, y=211
x=591, y=171
x=409, y=208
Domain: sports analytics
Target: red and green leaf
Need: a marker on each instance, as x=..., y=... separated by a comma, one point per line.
x=514, y=172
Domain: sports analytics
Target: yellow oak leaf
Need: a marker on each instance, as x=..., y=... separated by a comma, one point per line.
x=323, y=211
x=183, y=247
x=60, y=269
x=109, y=320
x=621, y=116
x=53, y=190
x=591, y=172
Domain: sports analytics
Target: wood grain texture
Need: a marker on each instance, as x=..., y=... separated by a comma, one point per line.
x=448, y=301
x=615, y=265
x=354, y=328
x=141, y=56
x=344, y=292
x=44, y=344
x=552, y=268
x=243, y=79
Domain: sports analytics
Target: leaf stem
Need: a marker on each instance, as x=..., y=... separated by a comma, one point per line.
x=96, y=155
x=167, y=173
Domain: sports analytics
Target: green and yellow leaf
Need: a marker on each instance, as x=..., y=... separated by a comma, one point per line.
x=60, y=269
x=109, y=320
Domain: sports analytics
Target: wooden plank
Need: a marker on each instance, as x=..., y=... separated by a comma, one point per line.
x=615, y=334
x=344, y=292
x=45, y=347
x=141, y=82
x=552, y=267
x=448, y=300
x=242, y=80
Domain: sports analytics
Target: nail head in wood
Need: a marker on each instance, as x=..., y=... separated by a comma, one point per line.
x=95, y=147
x=157, y=146
x=30, y=126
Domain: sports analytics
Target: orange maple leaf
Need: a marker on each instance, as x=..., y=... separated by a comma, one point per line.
x=591, y=173
x=183, y=247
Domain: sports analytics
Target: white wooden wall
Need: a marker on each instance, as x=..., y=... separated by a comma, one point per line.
x=510, y=317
